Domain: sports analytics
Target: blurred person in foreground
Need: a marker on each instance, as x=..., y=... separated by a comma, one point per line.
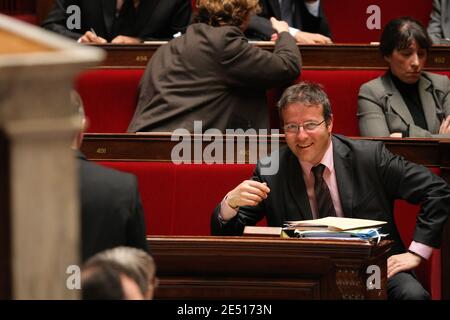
x=122, y=273
x=111, y=209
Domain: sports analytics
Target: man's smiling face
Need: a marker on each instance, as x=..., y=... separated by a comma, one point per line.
x=307, y=145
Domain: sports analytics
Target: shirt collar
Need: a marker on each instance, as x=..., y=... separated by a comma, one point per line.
x=327, y=161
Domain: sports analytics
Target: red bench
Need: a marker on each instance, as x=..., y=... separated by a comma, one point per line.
x=354, y=13
x=110, y=96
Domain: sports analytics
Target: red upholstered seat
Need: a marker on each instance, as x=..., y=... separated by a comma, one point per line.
x=29, y=18
x=342, y=87
x=354, y=13
x=109, y=98
x=179, y=199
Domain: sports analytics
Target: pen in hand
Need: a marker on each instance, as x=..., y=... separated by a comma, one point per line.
x=93, y=31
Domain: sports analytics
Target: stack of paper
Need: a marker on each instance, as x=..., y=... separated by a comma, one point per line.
x=334, y=228
x=333, y=224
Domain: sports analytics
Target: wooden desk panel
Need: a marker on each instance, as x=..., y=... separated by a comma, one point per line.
x=267, y=268
x=336, y=56
x=158, y=147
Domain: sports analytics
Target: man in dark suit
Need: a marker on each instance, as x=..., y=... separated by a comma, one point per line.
x=306, y=19
x=111, y=210
x=322, y=174
x=120, y=21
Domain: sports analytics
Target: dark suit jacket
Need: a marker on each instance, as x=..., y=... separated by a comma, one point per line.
x=439, y=25
x=369, y=179
x=156, y=19
x=214, y=75
x=260, y=27
x=111, y=211
x=382, y=110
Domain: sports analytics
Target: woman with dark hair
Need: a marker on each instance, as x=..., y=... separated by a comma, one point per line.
x=212, y=74
x=406, y=101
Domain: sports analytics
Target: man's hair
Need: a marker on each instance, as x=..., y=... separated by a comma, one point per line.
x=308, y=94
x=135, y=263
x=399, y=33
x=101, y=282
x=219, y=13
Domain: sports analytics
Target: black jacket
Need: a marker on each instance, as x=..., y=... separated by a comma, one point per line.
x=111, y=210
x=156, y=19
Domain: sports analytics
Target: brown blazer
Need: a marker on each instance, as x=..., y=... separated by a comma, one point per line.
x=214, y=75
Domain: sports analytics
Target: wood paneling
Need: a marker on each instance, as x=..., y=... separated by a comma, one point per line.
x=342, y=56
x=5, y=221
x=206, y=268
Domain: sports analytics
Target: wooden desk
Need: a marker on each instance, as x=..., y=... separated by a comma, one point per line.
x=335, y=56
x=266, y=268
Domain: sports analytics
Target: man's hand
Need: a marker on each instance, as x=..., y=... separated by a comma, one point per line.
x=396, y=135
x=279, y=26
x=402, y=262
x=125, y=40
x=248, y=193
x=445, y=126
x=311, y=38
x=90, y=37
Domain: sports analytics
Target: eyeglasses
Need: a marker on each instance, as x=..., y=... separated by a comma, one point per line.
x=307, y=126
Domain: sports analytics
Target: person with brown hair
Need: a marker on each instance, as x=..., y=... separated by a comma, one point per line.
x=212, y=74
x=119, y=273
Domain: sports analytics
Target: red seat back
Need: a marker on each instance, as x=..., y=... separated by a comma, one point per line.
x=354, y=13
x=109, y=98
x=179, y=199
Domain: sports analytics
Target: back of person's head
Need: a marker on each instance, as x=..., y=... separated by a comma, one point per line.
x=308, y=94
x=399, y=33
x=102, y=281
x=134, y=263
x=219, y=13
